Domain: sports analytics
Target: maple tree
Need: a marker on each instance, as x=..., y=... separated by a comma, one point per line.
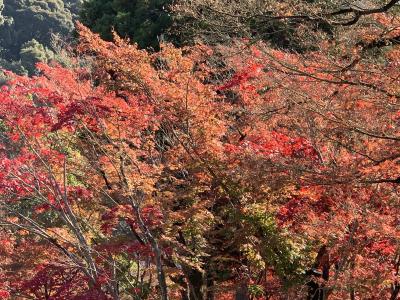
x=204, y=172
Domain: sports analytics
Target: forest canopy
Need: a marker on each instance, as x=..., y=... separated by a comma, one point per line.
x=143, y=21
x=204, y=149
x=27, y=29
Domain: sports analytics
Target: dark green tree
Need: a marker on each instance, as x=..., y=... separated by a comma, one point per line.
x=27, y=29
x=143, y=21
x=33, y=52
x=74, y=6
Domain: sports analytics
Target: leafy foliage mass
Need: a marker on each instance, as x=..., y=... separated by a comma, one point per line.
x=27, y=29
x=235, y=170
x=143, y=21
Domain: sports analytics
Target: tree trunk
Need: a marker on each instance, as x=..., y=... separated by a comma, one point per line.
x=395, y=292
x=242, y=292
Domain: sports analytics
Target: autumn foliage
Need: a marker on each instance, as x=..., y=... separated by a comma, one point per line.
x=204, y=173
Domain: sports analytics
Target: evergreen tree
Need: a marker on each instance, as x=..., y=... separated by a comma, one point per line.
x=33, y=52
x=143, y=21
x=26, y=31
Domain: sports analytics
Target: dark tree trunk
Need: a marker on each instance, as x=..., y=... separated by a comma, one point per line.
x=242, y=292
x=395, y=292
